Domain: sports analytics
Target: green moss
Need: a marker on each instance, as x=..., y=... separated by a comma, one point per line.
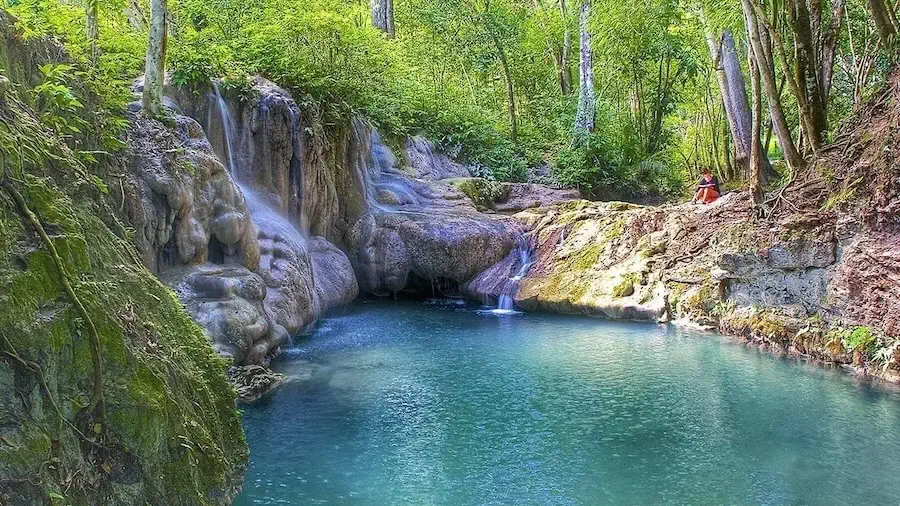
x=583, y=259
x=702, y=302
x=163, y=385
x=481, y=192
x=625, y=287
x=574, y=206
x=621, y=206
x=615, y=230
x=651, y=250
x=24, y=453
x=189, y=168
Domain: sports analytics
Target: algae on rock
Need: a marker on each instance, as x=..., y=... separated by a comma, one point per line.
x=170, y=433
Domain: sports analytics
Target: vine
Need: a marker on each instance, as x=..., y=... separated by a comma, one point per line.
x=96, y=405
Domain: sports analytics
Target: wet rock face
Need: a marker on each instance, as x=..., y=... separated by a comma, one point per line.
x=194, y=230
x=391, y=248
x=393, y=224
x=239, y=264
x=314, y=179
x=181, y=202
x=583, y=252
x=228, y=303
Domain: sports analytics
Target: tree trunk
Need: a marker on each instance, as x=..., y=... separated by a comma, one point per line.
x=510, y=92
x=155, y=71
x=829, y=42
x=92, y=10
x=383, y=16
x=766, y=68
x=587, y=100
x=881, y=12
x=809, y=89
x=756, y=179
x=135, y=14
x=734, y=95
x=565, y=70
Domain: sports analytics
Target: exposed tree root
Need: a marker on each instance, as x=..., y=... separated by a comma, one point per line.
x=97, y=405
x=38, y=372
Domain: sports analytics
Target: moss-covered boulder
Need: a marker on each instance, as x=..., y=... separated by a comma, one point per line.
x=109, y=392
x=482, y=192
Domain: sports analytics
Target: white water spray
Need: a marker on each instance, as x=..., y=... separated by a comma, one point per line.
x=505, y=304
x=270, y=222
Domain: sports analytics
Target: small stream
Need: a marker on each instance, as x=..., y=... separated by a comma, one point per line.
x=410, y=402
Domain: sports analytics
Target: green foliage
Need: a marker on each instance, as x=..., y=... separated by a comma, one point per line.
x=79, y=100
x=723, y=308
x=858, y=339
x=164, y=387
x=56, y=102
x=660, y=116
x=599, y=165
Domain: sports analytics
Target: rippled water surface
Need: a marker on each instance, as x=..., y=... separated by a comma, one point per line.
x=435, y=403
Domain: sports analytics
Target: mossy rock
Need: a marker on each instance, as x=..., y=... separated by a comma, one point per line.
x=625, y=287
x=170, y=432
x=481, y=192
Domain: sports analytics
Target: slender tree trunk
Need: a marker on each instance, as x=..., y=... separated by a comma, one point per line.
x=383, y=16
x=766, y=68
x=92, y=11
x=756, y=179
x=155, y=71
x=809, y=103
x=727, y=151
x=587, y=100
x=510, y=92
x=136, y=17
x=734, y=95
x=565, y=74
x=805, y=24
x=829, y=42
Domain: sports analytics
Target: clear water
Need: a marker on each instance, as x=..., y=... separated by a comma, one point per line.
x=434, y=403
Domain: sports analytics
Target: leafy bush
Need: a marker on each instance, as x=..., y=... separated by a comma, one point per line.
x=858, y=339
x=56, y=102
x=598, y=165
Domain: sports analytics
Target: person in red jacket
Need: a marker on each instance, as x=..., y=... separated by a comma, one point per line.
x=708, y=188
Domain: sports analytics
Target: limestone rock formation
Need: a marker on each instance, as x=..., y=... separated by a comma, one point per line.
x=397, y=250
x=427, y=163
x=791, y=287
x=346, y=187
x=509, y=198
x=182, y=202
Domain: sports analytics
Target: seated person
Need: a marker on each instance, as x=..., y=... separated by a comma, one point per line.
x=708, y=188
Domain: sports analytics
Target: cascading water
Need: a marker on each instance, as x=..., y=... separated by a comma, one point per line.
x=271, y=223
x=381, y=179
x=227, y=129
x=505, y=304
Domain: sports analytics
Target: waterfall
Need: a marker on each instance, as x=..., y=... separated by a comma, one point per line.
x=227, y=128
x=268, y=220
x=505, y=304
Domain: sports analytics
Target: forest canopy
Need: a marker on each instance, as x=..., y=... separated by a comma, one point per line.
x=625, y=98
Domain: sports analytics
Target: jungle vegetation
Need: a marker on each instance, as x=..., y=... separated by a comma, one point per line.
x=615, y=97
